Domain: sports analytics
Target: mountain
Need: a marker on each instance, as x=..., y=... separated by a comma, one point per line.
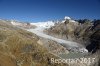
x=23, y=25
x=78, y=31
x=85, y=32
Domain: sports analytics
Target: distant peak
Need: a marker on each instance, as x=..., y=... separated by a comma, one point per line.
x=66, y=17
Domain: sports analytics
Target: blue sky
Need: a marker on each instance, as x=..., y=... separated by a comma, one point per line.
x=44, y=10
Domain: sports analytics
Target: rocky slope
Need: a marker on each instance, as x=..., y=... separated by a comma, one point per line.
x=85, y=32
x=65, y=30
x=21, y=48
x=82, y=32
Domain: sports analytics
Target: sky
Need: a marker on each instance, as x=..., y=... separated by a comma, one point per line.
x=45, y=10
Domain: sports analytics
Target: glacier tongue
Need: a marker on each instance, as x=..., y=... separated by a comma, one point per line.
x=40, y=26
x=68, y=44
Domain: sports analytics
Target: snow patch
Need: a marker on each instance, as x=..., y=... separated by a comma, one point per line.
x=15, y=23
x=78, y=49
x=66, y=17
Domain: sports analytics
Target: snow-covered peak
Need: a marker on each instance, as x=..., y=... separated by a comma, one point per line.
x=47, y=24
x=66, y=17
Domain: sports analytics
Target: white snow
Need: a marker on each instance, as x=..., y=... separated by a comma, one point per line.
x=66, y=17
x=47, y=24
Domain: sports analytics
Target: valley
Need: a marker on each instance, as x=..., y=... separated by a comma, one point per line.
x=67, y=39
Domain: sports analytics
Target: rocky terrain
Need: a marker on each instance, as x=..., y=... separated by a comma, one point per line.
x=83, y=32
